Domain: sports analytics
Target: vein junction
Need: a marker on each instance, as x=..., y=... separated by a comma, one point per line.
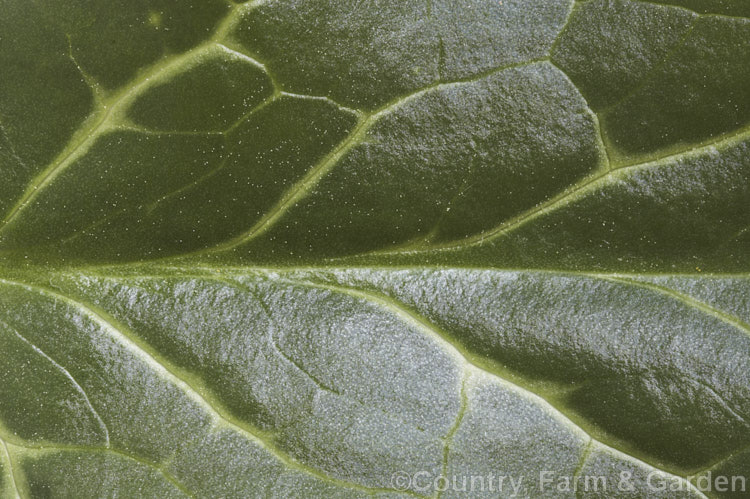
x=111, y=116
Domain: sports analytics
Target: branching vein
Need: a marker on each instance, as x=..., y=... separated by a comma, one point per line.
x=43, y=446
x=70, y=378
x=164, y=368
x=576, y=191
x=305, y=186
x=688, y=300
x=448, y=441
x=461, y=354
x=110, y=113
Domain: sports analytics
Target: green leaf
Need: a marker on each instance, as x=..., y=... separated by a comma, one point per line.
x=342, y=249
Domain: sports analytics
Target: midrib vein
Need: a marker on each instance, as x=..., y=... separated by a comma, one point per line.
x=204, y=271
x=628, y=279
x=201, y=396
x=226, y=275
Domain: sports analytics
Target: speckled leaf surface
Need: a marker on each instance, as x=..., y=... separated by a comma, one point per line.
x=290, y=248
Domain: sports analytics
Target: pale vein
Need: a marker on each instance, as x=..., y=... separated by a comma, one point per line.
x=576, y=191
x=454, y=348
x=107, y=116
x=70, y=377
x=11, y=469
x=163, y=367
x=304, y=187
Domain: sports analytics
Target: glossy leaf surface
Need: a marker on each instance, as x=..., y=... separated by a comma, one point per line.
x=296, y=249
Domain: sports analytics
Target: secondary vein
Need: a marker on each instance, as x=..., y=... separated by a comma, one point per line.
x=464, y=357
x=688, y=300
x=164, y=367
x=103, y=119
x=67, y=374
x=44, y=446
x=302, y=188
x=11, y=468
x=570, y=194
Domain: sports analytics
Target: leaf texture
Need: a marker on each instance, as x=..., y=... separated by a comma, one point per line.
x=293, y=249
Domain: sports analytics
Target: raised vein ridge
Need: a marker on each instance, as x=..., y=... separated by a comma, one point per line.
x=574, y=192
x=65, y=373
x=109, y=113
x=11, y=469
x=181, y=380
x=302, y=188
x=461, y=354
x=44, y=446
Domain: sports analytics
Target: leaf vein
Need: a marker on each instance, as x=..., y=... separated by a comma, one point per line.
x=452, y=432
x=67, y=374
x=688, y=300
x=164, y=367
x=108, y=113
x=461, y=354
x=12, y=469
x=682, y=7
x=574, y=192
x=45, y=446
x=303, y=187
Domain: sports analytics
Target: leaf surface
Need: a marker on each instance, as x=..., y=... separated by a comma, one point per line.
x=291, y=249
